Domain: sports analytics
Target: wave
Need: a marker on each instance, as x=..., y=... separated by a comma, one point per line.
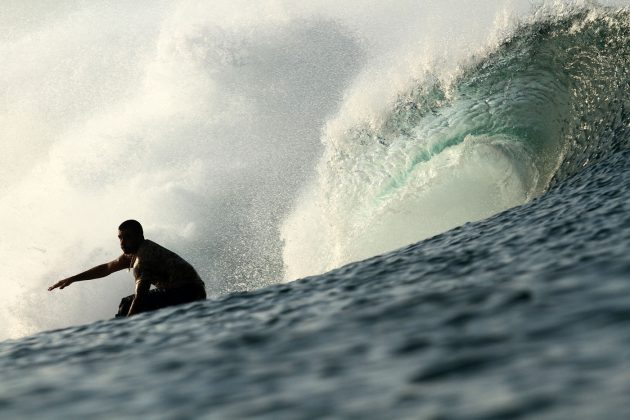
x=204, y=122
x=548, y=100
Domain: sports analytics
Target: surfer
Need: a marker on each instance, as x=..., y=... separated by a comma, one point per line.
x=175, y=280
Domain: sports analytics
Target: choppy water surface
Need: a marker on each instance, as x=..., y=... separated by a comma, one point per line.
x=521, y=315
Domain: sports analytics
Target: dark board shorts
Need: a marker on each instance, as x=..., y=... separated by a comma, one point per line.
x=162, y=298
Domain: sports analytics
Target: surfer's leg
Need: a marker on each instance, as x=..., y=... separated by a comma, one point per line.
x=125, y=304
x=155, y=299
x=161, y=298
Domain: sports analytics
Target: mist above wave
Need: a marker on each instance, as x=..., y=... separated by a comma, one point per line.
x=200, y=128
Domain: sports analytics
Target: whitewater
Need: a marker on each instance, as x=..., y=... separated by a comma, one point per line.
x=400, y=210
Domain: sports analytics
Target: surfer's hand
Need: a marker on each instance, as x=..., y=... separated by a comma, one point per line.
x=61, y=284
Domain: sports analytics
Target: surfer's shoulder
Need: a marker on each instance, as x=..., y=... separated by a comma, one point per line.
x=149, y=249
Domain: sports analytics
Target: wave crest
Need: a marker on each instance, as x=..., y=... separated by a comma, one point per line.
x=545, y=102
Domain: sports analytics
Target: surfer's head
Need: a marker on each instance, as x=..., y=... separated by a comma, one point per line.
x=131, y=235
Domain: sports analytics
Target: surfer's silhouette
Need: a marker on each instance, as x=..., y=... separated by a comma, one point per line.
x=175, y=280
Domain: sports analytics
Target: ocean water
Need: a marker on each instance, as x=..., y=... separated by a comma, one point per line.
x=411, y=213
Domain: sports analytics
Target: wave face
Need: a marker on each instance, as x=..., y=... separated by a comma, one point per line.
x=452, y=148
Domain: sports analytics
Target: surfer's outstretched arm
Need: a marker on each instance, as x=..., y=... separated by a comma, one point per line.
x=95, y=272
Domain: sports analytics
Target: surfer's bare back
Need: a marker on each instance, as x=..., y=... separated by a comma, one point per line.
x=175, y=280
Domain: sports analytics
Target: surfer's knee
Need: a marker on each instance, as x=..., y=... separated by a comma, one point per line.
x=125, y=304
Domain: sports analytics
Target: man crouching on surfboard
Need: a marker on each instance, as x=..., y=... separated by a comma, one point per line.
x=175, y=280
